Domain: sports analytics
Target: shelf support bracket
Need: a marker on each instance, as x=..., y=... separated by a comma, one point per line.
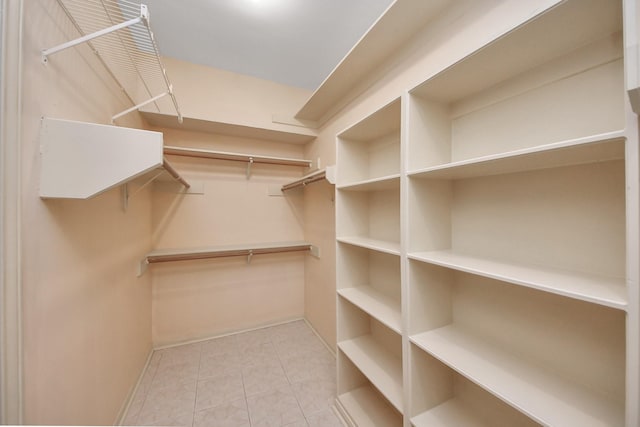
x=126, y=195
x=249, y=256
x=144, y=14
x=140, y=105
x=249, y=167
x=314, y=251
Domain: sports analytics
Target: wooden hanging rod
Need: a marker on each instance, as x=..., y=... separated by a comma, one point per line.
x=171, y=255
x=238, y=157
x=171, y=171
x=307, y=179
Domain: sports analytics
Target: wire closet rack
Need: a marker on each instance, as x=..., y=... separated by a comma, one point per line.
x=119, y=33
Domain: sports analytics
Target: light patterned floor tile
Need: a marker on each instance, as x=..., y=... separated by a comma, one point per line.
x=230, y=414
x=280, y=376
x=314, y=395
x=188, y=353
x=179, y=373
x=258, y=354
x=219, y=364
x=263, y=378
x=253, y=338
x=218, y=390
x=218, y=346
x=326, y=418
x=303, y=366
x=275, y=408
x=168, y=404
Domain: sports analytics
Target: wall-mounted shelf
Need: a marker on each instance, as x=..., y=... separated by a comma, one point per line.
x=403, y=19
x=118, y=32
x=249, y=159
x=248, y=250
x=298, y=136
x=327, y=173
x=81, y=160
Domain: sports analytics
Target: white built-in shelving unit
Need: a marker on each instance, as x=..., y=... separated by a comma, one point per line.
x=487, y=237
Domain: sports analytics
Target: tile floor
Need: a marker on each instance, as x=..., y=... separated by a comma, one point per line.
x=277, y=376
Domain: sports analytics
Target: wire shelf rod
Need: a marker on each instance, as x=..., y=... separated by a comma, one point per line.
x=118, y=32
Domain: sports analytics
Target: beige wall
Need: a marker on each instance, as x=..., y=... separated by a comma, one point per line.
x=222, y=96
x=87, y=317
x=205, y=298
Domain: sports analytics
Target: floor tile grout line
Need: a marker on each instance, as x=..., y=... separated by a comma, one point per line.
x=195, y=400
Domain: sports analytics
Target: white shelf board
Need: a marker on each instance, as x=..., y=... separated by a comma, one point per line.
x=382, y=368
x=376, y=304
x=389, y=182
x=403, y=19
x=533, y=43
x=452, y=413
x=300, y=136
x=607, y=291
x=544, y=396
x=392, y=248
x=594, y=148
x=81, y=160
x=367, y=409
x=238, y=157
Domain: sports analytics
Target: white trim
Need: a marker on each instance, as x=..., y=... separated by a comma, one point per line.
x=11, y=402
x=124, y=410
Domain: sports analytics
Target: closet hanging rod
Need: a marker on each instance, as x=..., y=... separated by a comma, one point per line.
x=238, y=157
x=223, y=253
x=307, y=179
x=119, y=34
x=248, y=250
x=174, y=173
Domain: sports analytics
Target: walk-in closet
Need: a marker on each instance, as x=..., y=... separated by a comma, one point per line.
x=441, y=229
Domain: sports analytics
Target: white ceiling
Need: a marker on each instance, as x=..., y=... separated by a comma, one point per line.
x=294, y=42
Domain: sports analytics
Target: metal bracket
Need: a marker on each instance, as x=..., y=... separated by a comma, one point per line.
x=249, y=167
x=126, y=195
x=314, y=251
x=142, y=267
x=47, y=52
x=249, y=256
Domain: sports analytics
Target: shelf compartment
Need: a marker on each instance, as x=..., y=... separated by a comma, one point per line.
x=366, y=408
x=610, y=292
x=370, y=150
x=588, y=339
x=369, y=215
x=371, y=349
x=596, y=148
x=81, y=160
x=501, y=99
x=376, y=304
x=542, y=395
x=370, y=280
x=381, y=367
x=391, y=248
x=443, y=398
x=563, y=219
